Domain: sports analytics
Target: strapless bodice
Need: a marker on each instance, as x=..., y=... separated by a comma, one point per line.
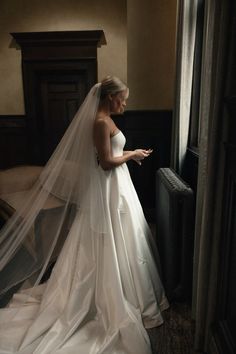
x=117, y=144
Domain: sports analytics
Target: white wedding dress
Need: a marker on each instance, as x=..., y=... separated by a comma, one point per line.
x=104, y=288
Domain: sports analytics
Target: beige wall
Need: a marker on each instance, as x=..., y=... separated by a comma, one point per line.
x=151, y=28
x=58, y=15
x=140, y=44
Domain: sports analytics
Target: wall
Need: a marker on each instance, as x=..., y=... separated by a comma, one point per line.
x=140, y=50
x=151, y=28
x=140, y=44
x=58, y=15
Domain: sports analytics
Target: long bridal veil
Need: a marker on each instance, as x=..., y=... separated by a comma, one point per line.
x=105, y=287
x=32, y=238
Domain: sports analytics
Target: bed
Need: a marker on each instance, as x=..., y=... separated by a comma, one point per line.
x=15, y=185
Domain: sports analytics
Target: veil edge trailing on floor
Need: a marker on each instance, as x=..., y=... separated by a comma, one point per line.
x=29, y=240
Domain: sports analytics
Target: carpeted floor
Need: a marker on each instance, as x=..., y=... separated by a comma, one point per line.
x=175, y=336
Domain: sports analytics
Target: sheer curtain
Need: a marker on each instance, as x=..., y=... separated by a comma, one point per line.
x=211, y=153
x=186, y=33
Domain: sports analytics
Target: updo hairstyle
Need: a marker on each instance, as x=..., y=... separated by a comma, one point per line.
x=111, y=85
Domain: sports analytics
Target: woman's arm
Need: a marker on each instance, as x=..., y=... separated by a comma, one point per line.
x=138, y=158
x=103, y=146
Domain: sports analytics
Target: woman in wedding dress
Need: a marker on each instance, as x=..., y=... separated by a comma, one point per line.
x=104, y=289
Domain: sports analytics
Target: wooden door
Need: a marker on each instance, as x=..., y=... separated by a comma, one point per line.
x=59, y=68
x=60, y=93
x=60, y=96
x=55, y=90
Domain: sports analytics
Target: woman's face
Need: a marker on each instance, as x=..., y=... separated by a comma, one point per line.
x=118, y=102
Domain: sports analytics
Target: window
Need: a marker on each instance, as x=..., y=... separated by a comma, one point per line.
x=196, y=85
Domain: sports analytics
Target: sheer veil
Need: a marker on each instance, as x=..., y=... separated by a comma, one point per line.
x=68, y=184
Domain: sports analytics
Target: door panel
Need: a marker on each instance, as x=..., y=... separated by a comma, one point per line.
x=61, y=94
x=54, y=92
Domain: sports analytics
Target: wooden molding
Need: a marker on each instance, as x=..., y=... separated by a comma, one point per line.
x=58, y=44
x=12, y=122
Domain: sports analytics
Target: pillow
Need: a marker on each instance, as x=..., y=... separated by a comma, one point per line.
x=18, y=178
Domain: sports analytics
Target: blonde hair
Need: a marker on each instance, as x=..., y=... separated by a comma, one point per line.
x=112, y=85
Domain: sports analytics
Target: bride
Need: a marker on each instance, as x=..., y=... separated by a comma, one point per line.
x=104, y=289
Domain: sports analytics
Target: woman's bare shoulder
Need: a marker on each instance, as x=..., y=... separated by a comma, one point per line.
x=101, y=122
x=101, y=125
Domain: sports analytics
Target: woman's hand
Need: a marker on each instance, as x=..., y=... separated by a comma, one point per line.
x=141, y=154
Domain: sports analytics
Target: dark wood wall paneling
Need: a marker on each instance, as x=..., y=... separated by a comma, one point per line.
x=147, y=129
x=13, y=141
x=142, y=129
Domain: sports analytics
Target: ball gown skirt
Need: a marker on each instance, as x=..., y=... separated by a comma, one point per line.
x=104, y=289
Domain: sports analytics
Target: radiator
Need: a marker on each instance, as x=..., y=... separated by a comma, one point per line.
x=175, y=233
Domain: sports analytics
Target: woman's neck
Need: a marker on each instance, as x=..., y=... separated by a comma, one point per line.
x=104, y=108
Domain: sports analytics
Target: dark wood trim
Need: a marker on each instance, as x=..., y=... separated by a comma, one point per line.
x=59, y=44
x=12, y=122
x=90, y=37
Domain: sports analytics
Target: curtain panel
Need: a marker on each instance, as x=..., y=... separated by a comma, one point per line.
x=186, y=34
x=210, y=175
